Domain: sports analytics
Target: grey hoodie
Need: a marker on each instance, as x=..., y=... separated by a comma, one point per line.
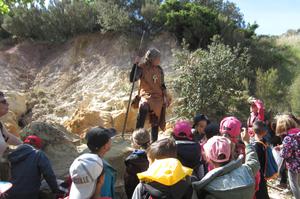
x=27, y=167
x=232, y=181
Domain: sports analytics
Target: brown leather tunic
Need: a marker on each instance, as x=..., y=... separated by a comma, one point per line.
x=151, y=90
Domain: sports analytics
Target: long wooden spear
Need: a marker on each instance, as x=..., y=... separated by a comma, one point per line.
x=132, y=89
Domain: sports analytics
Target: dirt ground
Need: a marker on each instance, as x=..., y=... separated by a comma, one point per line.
x=277, y=193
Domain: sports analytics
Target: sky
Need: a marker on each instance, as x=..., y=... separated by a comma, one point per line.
x=274, y=17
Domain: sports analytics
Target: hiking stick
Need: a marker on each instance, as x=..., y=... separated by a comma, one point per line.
x=132, y=88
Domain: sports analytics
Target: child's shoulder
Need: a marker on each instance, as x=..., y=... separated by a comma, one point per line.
x=137, y=154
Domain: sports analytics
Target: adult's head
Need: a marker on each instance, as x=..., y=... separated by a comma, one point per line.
x=284, y=124
x=3, y=105
x=140, y=139
x=161, y=149
x=200, y=123
x=218, y=150
x=99, y=140
x=153, y=56
x=183, y=130
x=231, y=128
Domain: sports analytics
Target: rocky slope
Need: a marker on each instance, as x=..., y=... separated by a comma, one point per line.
x=79, y=84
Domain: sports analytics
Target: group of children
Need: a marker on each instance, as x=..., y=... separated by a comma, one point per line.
x=207, y=160
x=200, y=160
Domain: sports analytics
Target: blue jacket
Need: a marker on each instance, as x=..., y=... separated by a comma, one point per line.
x=108, y=188
x=27, y=167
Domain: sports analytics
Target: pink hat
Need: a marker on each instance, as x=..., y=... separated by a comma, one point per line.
x=217, y=146
x=232, y=127
x=183, y=129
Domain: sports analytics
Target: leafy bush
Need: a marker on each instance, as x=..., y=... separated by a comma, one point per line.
x=270, y=89
x=295, y=96
x=62, y=19
x=210, y=80
x=111, y=17
x=190, y=21
x=58, y=22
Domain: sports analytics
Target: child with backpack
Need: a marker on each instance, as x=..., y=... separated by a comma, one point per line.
x=188, y=151
x=88, y=174
x=230, y=179
x=137, y=161
x=290, y=150
x=261, y=148
x=166, y=177
x=257, y=112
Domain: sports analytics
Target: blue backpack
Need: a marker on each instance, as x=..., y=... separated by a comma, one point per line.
x=271, y=167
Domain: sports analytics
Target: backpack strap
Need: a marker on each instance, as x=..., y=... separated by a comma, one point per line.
x=266, y=155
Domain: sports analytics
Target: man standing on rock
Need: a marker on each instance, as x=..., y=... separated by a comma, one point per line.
x=152, y=99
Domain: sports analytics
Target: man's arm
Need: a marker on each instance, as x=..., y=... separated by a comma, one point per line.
x=11, y=139
x=138, y=74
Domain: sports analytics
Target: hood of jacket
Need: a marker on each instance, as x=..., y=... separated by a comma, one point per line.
x=21, y=153
x=167, y=171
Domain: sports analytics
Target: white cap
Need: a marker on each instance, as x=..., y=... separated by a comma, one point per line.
x=84, y=172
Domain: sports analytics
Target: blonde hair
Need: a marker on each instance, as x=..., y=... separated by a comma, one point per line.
x=284, y=124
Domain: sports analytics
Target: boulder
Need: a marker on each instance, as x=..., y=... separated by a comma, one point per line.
x=58, y=144
x=82, y=120
x=118, y=118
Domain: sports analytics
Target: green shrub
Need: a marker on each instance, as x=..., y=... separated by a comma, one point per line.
x=270, y=89
x=295, y=96
x=63, y=19
x=111, y=17
x=190, y=21
x=210, y=80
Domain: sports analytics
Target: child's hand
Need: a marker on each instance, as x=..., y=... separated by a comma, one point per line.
x=245, y=136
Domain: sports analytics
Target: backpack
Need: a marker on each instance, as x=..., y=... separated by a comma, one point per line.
x=150, y=191
x=271, y=167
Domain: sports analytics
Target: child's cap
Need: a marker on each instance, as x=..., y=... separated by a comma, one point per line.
x=232, y=127
x=85, y=171
x=218, y=149
x=183, y=129
x=140, y=137
x=34, y=141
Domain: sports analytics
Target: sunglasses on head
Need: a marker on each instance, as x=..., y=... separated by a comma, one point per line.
x=4, y=101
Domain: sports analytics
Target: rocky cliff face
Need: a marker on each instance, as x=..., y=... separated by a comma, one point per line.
x=79, y=84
